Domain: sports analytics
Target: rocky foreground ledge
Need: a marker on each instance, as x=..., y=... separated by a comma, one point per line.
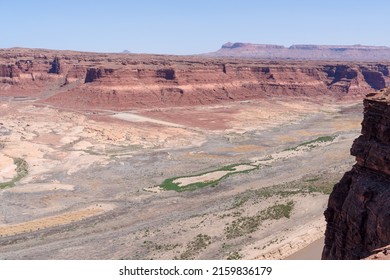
x=358, y=213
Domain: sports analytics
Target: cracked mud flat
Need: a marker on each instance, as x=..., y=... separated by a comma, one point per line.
x=79, y=162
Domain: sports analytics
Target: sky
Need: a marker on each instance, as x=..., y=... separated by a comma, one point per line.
x=190, y=26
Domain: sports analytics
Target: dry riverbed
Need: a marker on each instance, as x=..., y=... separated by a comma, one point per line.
x=252, y=184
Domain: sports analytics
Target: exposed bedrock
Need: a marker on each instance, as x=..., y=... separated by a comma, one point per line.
x=158, y=81
x=358, y=213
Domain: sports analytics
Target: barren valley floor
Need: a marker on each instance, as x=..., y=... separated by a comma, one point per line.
x=89, y=184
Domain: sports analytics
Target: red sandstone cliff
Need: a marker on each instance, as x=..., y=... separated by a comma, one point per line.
x=122, y=81
x=358, y=213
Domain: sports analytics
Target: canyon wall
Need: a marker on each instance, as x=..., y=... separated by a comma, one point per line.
x=122, y=81
x=358, y=213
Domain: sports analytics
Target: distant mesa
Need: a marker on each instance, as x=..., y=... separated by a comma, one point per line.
x=303, y=52
x=237, y=45
x=126, y=51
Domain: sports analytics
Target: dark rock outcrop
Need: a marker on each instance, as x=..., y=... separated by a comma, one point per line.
x=358, y=213
x=93, y=74
x=7, y=71
x=167, y=74
x=55, y=66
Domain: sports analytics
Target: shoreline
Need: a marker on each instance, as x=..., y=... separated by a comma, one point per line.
x=313, y=251
x=300, y=238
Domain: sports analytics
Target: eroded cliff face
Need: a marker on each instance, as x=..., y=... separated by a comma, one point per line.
x=358, y=213
x=122, y=81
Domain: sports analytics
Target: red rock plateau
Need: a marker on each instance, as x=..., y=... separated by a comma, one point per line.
x=358, y=214
x=122, y=81
x=304, y=52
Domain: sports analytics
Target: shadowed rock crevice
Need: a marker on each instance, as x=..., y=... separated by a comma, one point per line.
x=374, y=79
x=6, y=71
x=339, y=73
x=93, y=74
x=167, y=74
x=55, y=66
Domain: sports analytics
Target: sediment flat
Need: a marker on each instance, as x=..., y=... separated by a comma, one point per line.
x=79, y=159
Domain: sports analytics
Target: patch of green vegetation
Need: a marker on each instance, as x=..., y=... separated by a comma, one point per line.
x=21, y=171
x=231, y=167
x=242, y=226
x=92, y=152
x=278, y=211
x=8, y=184
x=234, y=256
x=264, y=193
x=240, y=201
x=321, y=139
x=311, y=144
x=159, y=247
x=324, y=188
x=21, y=168
x=200, y=242
x=277, y=192
x=226, y=246
x=169, y=184
x=312, y=179
x=246, y=225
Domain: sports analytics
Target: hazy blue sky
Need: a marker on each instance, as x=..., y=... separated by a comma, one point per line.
x=190, y=26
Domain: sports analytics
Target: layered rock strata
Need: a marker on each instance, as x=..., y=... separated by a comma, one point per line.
x=123, y=81
x=358, y=213
x=304, y=52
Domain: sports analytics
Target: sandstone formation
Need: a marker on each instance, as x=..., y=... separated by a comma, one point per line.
x=122, y=81
x=304, y=52
x=358, y=213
